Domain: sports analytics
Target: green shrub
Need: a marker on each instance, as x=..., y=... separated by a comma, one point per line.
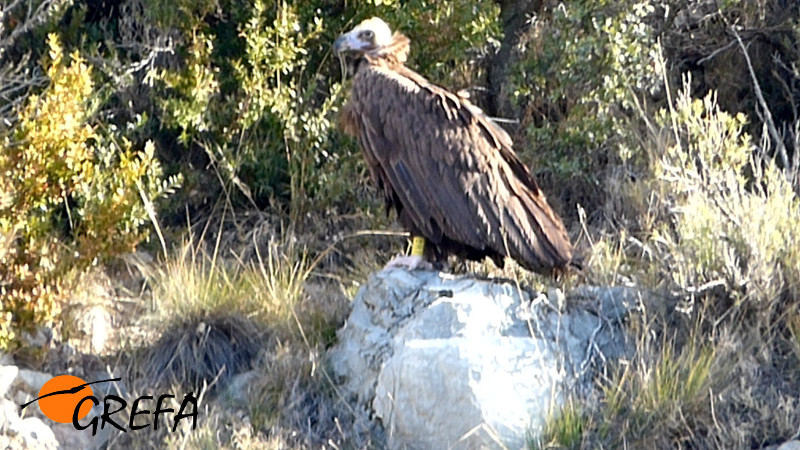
x=582, y=64
x=252, y=105
x=258, y=90
x=735, y=215
x=71, y=195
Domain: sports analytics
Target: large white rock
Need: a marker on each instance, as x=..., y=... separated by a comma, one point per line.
x=455, y=362
x=7, y=376
x=31, y=381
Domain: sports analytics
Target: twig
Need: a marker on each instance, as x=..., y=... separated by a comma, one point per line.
x=716, y=52
x=42, y=13
x=773, y=131
x=706, y=286
x=713, y=412
x=591, y=348
x=151, y=213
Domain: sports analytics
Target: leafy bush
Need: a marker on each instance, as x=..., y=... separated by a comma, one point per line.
x=582, y=65
x=735, y=213
x=709, y=235
x=72, y=194
x=701, y=39
x=254, y=110
x=258, y=90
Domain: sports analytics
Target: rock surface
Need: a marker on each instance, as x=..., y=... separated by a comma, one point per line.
x=456, y=362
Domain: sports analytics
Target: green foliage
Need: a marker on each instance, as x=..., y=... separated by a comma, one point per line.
x=280, y=97
x=182, y=14
x=577, y=79
x=564, y=429
x=261, y=119
x=735, y=215
x=70, y=195
x=192, y=89
x=708, y=227
x=258, y=93
x=447, y=39
x=652, y=398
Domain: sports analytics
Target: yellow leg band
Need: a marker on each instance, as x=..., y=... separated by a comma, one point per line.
x=417, y=246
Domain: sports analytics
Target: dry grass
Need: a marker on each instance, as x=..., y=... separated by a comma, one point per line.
x=706, y=227
x=717, y=359
x=198, y=282
x=247, y=331
x=717, y=362
x=709, y=226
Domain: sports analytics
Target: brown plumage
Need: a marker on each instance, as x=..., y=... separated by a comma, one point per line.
x=448, y=170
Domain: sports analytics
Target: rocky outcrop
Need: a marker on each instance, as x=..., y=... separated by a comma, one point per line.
x=455, y=362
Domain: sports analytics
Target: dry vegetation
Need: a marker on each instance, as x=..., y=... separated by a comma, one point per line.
x=667, y=133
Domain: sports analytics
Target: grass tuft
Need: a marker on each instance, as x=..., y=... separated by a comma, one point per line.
x=195, y=283
x=201, y=351
x=564, y=429
x=260, y=312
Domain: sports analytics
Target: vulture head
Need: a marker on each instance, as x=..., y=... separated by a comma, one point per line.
x=373, y=38
x=370, y=35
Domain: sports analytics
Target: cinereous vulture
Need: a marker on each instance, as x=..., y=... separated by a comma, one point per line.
x=448, y=169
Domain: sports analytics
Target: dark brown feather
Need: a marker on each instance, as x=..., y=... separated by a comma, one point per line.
x=448, y=170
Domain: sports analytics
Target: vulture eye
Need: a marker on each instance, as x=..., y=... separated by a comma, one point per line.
x=368, y=34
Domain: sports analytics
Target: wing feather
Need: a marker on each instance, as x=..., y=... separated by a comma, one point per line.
x=453, y=170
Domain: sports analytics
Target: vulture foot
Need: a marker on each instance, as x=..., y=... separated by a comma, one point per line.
x=409, y=262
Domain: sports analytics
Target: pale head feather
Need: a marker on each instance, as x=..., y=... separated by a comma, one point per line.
x=370, y=35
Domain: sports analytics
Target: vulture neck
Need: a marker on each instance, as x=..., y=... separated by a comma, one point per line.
x=394, y=54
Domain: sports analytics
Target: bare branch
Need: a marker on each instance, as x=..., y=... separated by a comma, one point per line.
x=773, y=131
x=42, y=12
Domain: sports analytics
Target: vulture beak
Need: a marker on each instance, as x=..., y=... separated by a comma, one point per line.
x=344, y=43
x=370, y=35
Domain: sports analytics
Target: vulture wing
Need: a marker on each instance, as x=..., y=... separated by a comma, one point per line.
x=452, y=169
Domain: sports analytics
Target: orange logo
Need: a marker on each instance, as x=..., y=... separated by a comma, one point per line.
x=68, y=399
x=60, y=395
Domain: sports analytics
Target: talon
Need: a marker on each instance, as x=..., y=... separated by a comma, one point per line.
x=409, y=262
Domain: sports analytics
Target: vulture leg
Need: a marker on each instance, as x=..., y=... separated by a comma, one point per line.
x=416, y=260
